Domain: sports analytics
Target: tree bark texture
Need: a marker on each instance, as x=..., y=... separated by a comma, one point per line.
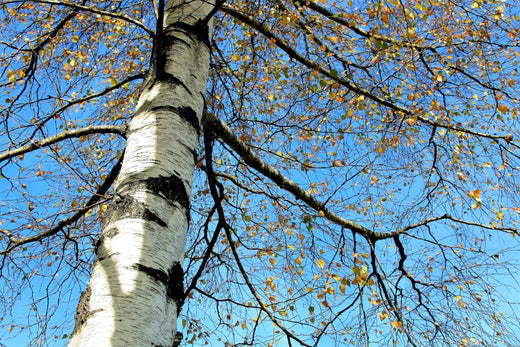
x=136, y=289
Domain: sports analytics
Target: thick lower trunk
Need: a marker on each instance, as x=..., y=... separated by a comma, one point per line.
x=136, y=289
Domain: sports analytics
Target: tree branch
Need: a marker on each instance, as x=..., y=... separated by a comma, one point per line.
x=456, y=220
x=225, y=133
x=222, y=221
x=250, y=158
x=293, y=54
x=68, y=134
x=94, y=199
x=90, y=97
x=92, y=10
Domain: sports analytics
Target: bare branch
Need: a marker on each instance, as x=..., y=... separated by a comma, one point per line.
x=250, y=158
x=456, y=220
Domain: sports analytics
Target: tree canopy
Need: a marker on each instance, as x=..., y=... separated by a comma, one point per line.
x=356, y=179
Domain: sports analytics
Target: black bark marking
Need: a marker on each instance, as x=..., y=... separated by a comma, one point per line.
x=176, y=285
x=186, y=113
x=167, y=77
x=199, y=30
x=178, y=339
x=171, y=188
x=125, y=206
x=158, y=275
x=107, y=234
x=83, y=310
x=173, y=281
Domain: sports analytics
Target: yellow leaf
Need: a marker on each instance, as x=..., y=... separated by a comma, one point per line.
x=397, y=325
x=476, y=195
x=235, y=57
x=320, y=263
x=11, y=75
x=503, y=108
x=298, y=261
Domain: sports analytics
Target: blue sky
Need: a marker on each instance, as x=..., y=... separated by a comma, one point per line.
x=367, y=183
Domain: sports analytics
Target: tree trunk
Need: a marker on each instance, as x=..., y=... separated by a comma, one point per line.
x=136, y=289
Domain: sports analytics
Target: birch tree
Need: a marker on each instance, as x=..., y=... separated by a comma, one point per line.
x=136, y=288
x=259, y=173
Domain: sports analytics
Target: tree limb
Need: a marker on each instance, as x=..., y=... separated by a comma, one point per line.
x=68, y=134
x=94, y=199
x=293, y=54
x=92, y=10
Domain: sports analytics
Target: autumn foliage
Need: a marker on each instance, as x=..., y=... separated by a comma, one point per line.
x=356, y=178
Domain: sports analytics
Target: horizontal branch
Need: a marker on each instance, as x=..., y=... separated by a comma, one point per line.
x=92, y=10
x=449, y=217
x=68, y=134
x=222, y=131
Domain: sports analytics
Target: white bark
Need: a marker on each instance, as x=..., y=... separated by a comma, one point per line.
x=136, y=285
